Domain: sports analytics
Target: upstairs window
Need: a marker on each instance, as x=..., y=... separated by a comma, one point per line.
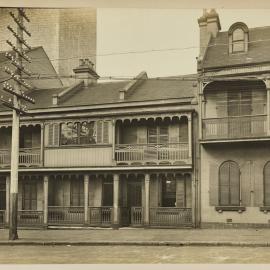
x=158, y=134
x=238, y=40
x=83, y=133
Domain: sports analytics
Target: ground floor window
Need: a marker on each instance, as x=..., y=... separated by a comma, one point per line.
x=29, y=195
x=229, y=184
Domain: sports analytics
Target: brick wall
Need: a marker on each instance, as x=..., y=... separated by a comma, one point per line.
x=64, y=33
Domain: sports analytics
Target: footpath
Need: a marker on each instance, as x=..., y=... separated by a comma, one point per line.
x=140, y=237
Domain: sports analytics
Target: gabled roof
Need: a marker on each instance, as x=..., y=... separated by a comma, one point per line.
x=40, y=64
x=217, y=54
x=108, y=93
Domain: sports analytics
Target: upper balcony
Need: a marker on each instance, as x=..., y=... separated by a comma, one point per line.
x=143, y=141
x=154, y=141
x=30, y=153
x=234, y=112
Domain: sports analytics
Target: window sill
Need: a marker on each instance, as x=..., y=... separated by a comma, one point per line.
x=265, y=209
x=238, y=209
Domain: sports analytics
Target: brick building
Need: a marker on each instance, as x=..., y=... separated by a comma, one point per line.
x=105, y=154
x=175, y=152
x=65, y=34
x=233, y=69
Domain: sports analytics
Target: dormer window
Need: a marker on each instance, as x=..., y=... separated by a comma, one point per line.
x=238, y=38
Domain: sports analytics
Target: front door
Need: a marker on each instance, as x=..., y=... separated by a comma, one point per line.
x=134, y=202
x=134, y=194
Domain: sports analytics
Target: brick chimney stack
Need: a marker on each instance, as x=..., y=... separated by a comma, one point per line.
x=209, y=27
x=86, y=72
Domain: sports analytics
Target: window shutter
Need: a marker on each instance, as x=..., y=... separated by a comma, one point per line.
x=183, y=132
x=152, y=135
x=56, y=134
x=224, y=184
x=266, y=184
x=234, y=184
x=106, y=132
x=52, y=134
x=99, y=131
x=246, y=178
x=163, y=134
x=188, y=185
x=180, y=192
x=173, y=134
x=142, y=134
x=213, y=184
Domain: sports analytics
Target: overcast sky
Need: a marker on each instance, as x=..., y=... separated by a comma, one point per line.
x=125, y=30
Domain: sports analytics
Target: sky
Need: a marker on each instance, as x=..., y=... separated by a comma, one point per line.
x=130, y=30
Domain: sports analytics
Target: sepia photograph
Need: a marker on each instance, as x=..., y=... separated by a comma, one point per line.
x=134, y=134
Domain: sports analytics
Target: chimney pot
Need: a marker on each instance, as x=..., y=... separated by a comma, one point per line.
x=81, y=62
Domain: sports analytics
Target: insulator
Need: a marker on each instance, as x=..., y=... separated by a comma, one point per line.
x=22, y=12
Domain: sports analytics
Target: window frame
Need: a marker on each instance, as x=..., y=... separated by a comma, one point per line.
x=99, y=135
x=158, y=134
x=238, y=40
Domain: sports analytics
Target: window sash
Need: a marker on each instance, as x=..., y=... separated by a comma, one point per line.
x=85, y=133
x=158, y=135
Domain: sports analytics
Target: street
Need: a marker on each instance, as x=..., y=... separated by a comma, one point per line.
x=131, y=254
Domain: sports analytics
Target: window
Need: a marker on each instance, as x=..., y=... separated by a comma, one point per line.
x=238, y=40
x=229, y=184
x=266, y=183
x=158, y=134
x=168, y=192
x=85, y=133
x=29, y=195
x=76, y=192
x=239, y=102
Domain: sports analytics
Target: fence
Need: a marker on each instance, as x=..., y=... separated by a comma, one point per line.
x=170, y=216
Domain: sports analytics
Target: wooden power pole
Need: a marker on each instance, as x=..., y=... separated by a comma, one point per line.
x=17, y=92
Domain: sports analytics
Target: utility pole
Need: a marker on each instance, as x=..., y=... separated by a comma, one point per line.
x=17, y=93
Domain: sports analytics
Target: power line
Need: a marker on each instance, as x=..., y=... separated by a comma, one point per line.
x=34, y=59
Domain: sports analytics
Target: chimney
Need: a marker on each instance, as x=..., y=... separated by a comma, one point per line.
x=209, y=27
x=86, y=72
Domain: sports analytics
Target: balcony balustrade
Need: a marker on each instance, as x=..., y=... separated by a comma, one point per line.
x=237, y=127
x=136, y=216
x=100, y=216
x=30, y=218
x=28, y=157
x=152, y=153
x=170, y=216
x=65, y=215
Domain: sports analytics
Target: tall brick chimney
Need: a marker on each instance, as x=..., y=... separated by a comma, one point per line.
x=86, y=72
x=209, y=27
